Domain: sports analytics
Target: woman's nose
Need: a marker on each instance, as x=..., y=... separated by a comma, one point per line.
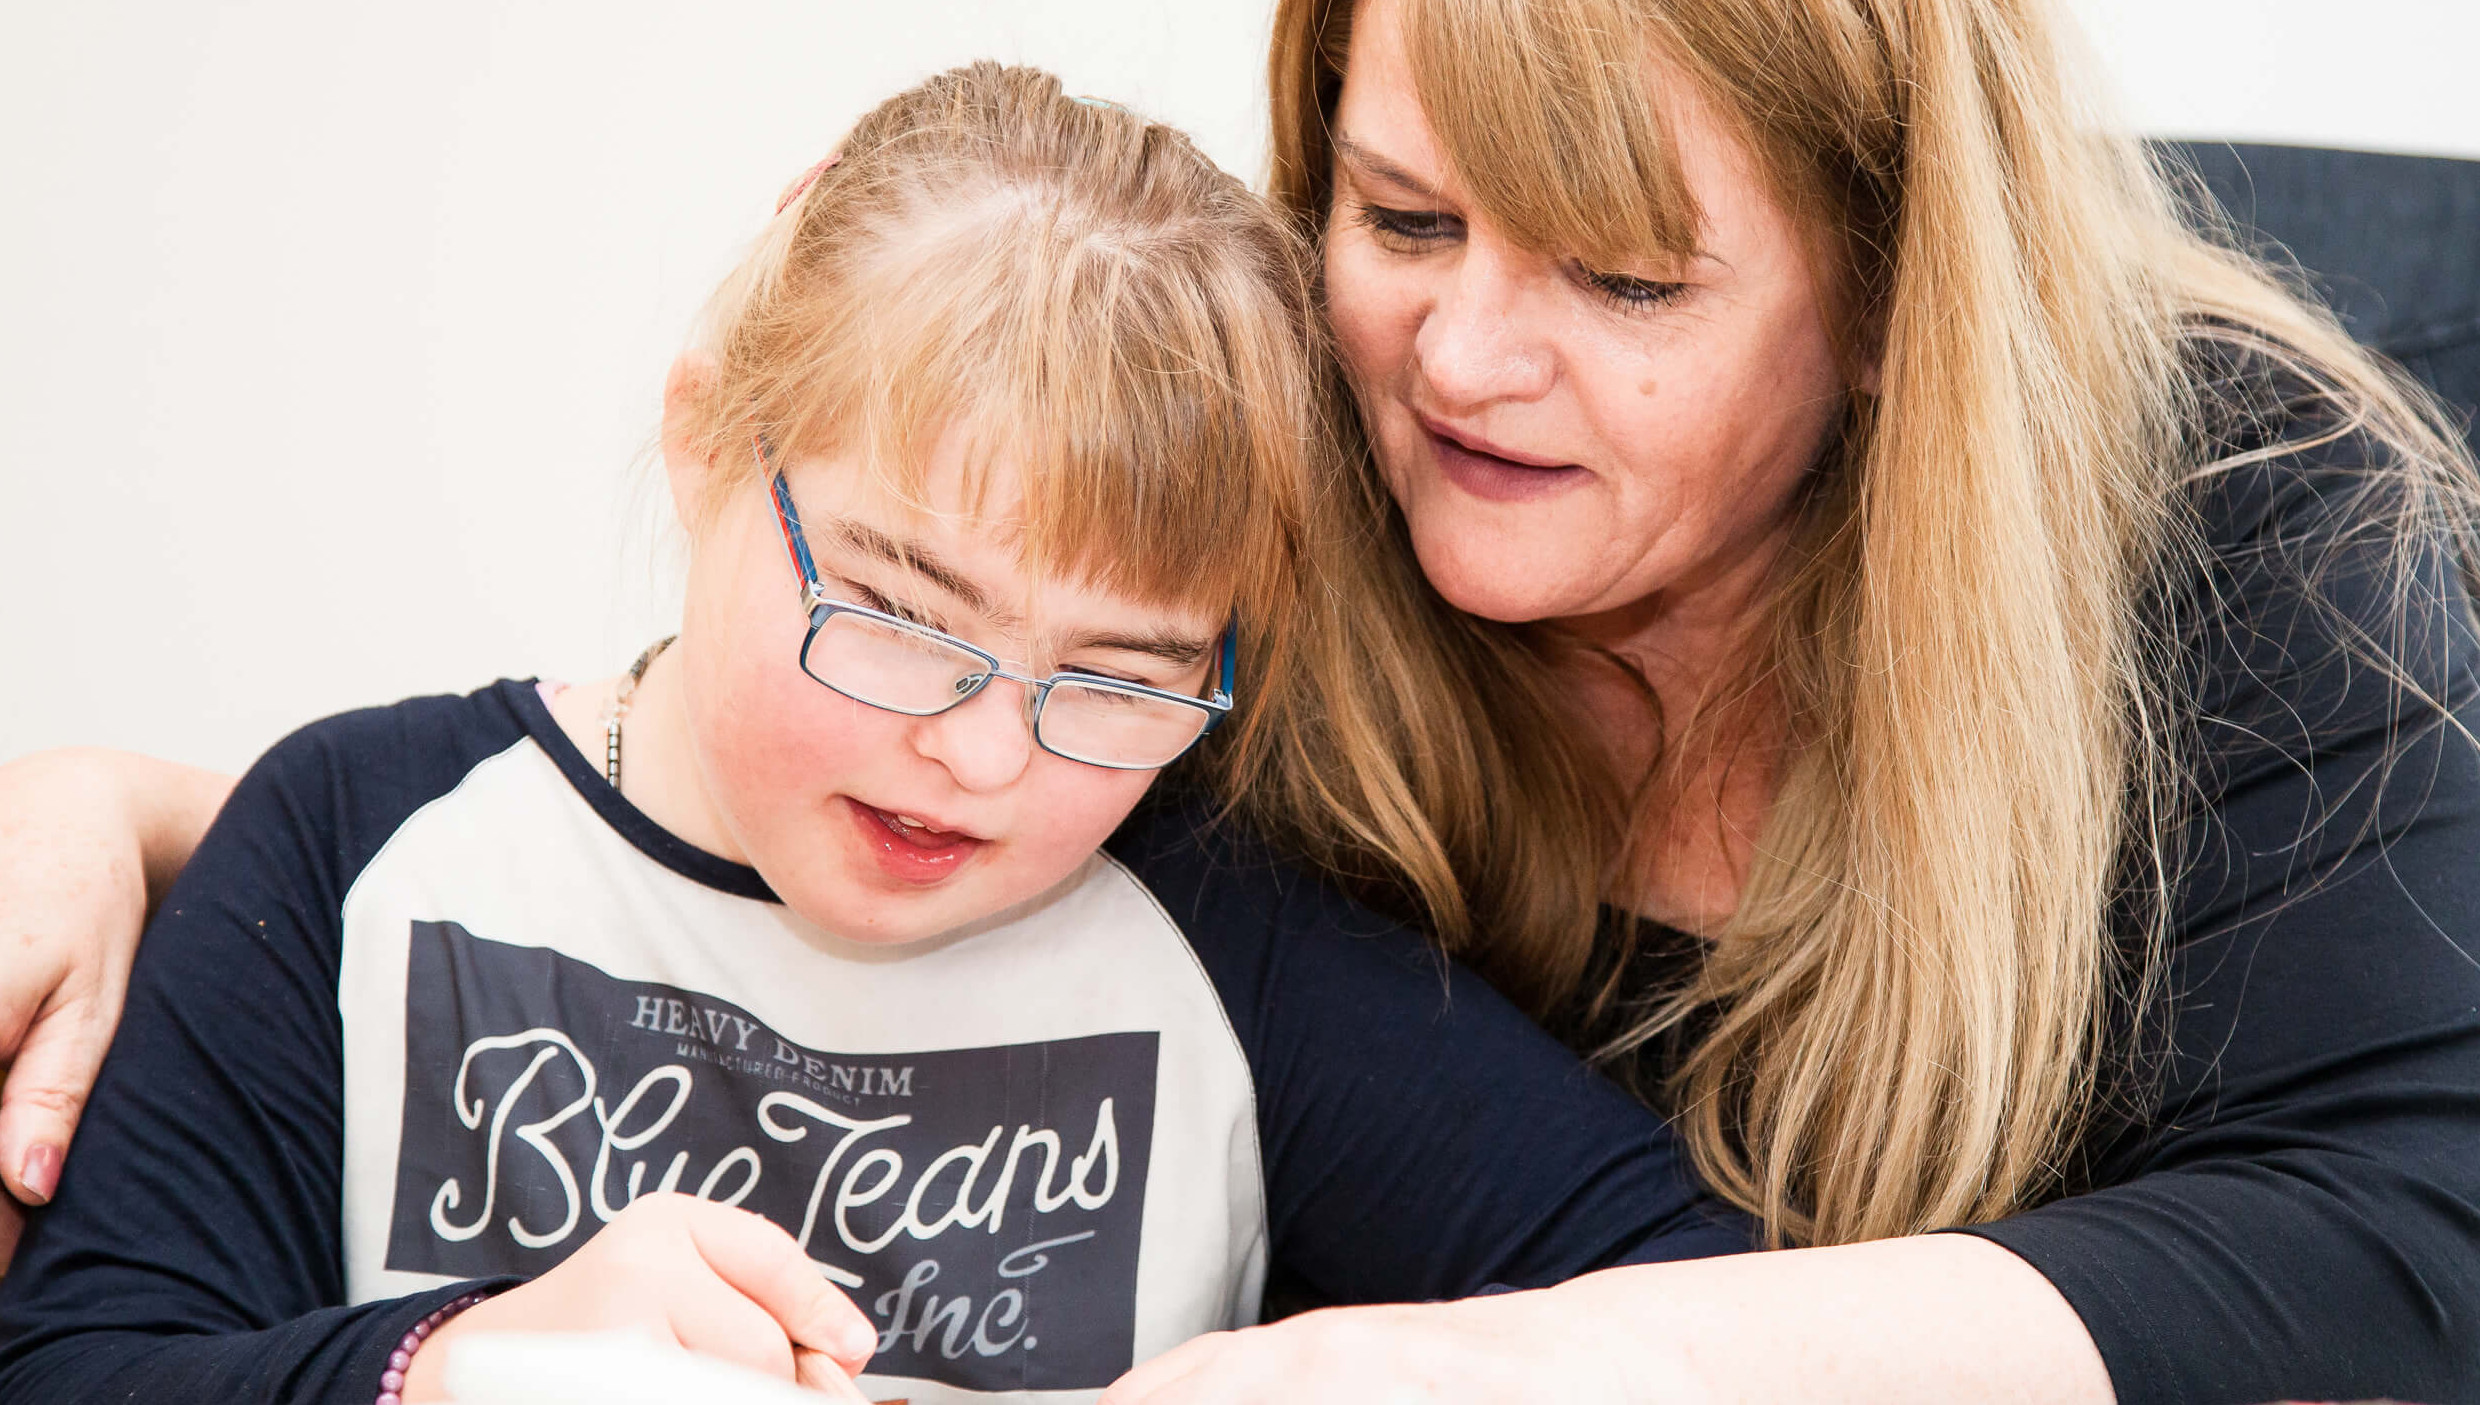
x=1477, y=344
x=985, y=742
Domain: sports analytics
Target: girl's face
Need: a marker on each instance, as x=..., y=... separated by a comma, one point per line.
x=881, y=827
x=1566, y=440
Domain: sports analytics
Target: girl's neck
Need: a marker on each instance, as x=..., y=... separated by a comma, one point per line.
x=659, y=773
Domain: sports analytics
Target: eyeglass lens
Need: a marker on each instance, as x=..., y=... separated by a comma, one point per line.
x=911, y=671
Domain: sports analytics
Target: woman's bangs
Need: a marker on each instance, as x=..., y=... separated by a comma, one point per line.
x=1547, y=111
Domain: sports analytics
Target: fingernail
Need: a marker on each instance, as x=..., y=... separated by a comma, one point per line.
x=41, y=1173
x=860, y=1341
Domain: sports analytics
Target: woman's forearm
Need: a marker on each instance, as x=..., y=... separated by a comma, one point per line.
x=1945, y=1317
x=171, y=806
x=1942, y=1318
x=99, y=817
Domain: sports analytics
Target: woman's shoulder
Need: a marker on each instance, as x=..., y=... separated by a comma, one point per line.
x=2281, y=456
x=2323, y=597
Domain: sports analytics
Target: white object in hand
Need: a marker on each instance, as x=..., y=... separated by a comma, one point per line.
x=600, y=1368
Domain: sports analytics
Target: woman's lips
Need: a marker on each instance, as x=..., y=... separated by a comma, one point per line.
x=1477, y=470
x=915, y=856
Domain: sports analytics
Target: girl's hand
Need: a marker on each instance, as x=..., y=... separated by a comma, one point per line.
x=707, y=1277
x=1482, y=1351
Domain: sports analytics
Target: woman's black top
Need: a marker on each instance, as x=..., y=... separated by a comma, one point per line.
x=2286, y=1204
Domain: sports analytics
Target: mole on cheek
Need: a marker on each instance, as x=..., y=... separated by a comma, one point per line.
x=1645, y=387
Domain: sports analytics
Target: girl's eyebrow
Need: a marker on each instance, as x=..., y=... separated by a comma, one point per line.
x=870, y=541
x=1171, y=647
x=1384, y=169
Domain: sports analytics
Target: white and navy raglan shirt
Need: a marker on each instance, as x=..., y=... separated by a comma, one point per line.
x=433, y=1002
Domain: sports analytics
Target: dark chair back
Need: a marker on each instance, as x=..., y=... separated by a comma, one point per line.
x=2392, y=241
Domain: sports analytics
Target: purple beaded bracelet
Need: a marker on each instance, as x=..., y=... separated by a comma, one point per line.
x=392, y=1381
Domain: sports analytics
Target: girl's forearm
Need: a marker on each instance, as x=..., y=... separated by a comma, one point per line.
x=1945, y=1317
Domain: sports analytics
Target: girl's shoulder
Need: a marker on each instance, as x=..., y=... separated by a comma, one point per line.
x=350, y=780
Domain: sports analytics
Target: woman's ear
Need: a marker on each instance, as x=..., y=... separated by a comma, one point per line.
x=688, y=397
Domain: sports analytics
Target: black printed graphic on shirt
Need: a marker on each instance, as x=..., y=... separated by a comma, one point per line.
x=982, y=1204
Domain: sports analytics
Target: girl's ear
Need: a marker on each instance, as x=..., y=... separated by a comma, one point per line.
x=687, y=395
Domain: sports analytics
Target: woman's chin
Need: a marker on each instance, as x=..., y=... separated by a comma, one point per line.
x=1488, y=576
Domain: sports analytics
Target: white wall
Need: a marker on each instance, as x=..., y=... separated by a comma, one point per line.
x=2386, y=75
x=330, y=335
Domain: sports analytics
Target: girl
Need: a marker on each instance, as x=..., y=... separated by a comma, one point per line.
x=1001, y=463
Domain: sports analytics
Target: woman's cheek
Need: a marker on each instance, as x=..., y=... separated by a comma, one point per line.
x=1375, y=315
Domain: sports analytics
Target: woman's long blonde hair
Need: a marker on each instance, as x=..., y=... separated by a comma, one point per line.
x=1970, y=851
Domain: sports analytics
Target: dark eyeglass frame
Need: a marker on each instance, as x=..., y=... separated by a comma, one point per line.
x=823, y=607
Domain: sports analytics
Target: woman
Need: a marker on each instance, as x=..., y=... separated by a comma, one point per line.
x=1954, y=691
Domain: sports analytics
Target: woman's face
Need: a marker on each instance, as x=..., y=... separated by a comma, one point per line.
x=1565, y=440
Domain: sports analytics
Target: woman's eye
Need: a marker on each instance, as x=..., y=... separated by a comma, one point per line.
x=1630, y=293
x=1407, y=229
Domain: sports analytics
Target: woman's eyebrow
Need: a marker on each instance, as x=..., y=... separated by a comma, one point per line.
x=1168, y=645
x=1381, y=167
x=870, y=541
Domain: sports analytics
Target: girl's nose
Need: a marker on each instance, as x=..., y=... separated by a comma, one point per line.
x=1476, y=345
x=985, y=742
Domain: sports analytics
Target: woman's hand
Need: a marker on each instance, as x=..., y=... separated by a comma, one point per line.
x=82, y=833
x=1939, y=1319
x=706, y=1277
x=1482, y=1351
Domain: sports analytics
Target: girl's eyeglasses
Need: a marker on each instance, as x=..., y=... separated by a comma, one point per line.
x=877, y=658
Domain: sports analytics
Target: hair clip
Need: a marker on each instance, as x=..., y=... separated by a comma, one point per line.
x=808, y=177
x=1101, y=102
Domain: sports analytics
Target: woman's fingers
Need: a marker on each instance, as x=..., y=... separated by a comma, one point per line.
x=46, y=1089
x=1161, y=1374
x=765, y=1265
x=72, y=899
x=1479, y=1351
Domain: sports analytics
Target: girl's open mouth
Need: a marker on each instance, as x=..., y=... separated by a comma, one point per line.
x=910, y=850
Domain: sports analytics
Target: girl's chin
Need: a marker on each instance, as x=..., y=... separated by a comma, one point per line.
x=865, y=916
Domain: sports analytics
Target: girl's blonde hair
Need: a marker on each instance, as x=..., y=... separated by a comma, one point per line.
x=1092, y=304
x=1902, y=1025
x=1073, y=292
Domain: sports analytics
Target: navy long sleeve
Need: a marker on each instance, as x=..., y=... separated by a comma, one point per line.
x=2287, y=1205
